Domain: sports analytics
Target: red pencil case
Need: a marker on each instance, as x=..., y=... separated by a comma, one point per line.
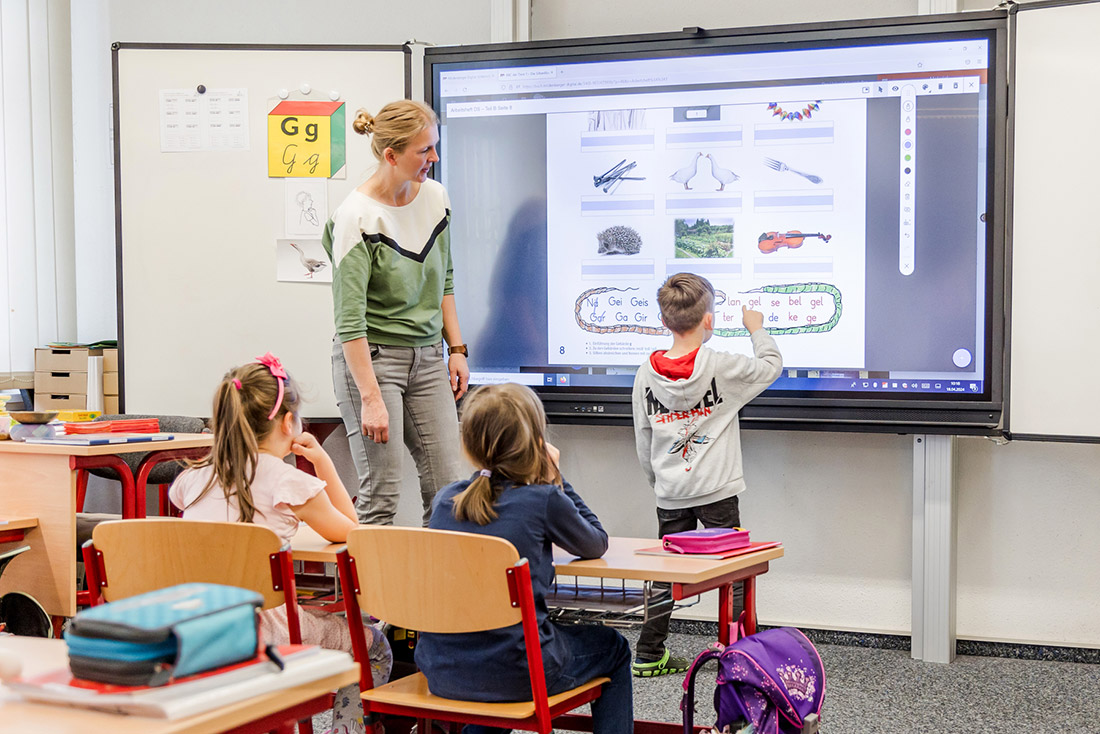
x=707, y=540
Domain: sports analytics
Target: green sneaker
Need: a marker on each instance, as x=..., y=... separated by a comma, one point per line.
x=665, y=666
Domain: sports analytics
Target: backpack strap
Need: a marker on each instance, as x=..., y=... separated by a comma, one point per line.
x=737, y=629
x=687, y=703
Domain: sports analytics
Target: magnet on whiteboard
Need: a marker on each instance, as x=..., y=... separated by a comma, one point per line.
x=334, y=95
x=305, y=88
x=283, y=93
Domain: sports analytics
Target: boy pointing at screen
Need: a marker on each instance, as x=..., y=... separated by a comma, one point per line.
x=685, y=405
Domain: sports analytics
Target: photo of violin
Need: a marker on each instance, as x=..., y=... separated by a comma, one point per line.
x=772, y=241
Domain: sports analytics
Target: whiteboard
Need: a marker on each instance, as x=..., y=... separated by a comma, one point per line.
x=197, y=231
x=1055, y=258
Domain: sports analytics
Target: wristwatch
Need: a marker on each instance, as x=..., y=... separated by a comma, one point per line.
x=459, y=349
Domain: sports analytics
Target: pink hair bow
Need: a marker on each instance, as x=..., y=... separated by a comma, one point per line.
x=273, y=364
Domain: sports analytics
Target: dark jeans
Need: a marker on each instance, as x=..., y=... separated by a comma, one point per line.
x=721, y=514
x=597, y=651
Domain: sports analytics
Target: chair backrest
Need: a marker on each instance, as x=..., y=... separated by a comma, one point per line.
x=434, y=580
x=144, y=555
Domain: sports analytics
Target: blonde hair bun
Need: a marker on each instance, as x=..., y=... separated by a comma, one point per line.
x=363, y=123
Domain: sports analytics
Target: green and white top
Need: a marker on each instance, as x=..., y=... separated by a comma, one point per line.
x=392, y=267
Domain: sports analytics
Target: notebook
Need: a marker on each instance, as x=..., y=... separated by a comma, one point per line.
x=101, y=439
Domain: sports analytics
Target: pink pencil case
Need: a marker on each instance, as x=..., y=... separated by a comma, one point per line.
x=707, y=540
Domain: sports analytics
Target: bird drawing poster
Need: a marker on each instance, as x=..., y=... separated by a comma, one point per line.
x=305, y=204
x=302, y=261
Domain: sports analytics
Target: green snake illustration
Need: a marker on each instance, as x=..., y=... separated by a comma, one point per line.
x=720, y=298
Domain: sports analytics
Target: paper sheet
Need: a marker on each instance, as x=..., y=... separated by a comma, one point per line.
x=216, y=120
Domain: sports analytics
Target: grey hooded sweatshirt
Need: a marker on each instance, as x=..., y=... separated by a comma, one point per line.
x=687, y=432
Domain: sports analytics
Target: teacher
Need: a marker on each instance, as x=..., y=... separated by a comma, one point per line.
x=393, y=297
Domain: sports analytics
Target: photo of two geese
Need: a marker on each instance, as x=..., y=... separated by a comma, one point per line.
x=725, y=176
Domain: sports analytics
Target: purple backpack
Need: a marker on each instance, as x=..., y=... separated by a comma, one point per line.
x=773, y=680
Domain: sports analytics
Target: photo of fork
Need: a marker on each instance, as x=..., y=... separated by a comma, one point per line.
x=781, y=166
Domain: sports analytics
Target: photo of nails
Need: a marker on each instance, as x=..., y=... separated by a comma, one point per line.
x=610, y=179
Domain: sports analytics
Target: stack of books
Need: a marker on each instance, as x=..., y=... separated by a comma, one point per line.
x=122, y=425
x=191, y=695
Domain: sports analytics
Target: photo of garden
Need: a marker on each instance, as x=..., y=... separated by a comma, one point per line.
x=704, y=238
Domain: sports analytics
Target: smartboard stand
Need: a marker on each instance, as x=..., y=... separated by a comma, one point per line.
x=935, y=536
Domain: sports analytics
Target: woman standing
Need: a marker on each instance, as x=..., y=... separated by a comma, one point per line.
x=393, y=298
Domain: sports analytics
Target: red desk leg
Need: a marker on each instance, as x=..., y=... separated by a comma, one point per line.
x=110, y=461
x=750, y=605
x=725, y=613
x=725, y=610
x=150, y=461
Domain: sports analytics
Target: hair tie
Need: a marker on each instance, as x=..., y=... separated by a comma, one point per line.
x=236, y=383
x=272, y=363
x=486, y=473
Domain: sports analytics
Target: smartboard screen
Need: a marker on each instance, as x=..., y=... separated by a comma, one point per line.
x=844, y=189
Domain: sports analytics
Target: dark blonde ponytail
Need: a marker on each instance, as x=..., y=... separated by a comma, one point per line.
x=242, y=403
x=504, y=432
x=475, y=503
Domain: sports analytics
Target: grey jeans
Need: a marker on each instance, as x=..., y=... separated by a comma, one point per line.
x=415, y=386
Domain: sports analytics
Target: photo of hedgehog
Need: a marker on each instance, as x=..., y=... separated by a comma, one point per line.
x=619, y=240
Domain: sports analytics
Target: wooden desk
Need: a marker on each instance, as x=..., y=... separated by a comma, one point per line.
x=307, y=545
x=39, y=480
x=688, y=576
x=259, y=714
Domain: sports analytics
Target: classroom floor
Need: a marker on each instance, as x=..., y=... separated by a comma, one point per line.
x=874, y=691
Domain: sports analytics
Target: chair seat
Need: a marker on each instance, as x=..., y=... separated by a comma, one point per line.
x=411, y=692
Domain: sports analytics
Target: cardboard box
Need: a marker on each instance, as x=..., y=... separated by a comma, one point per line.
x=56, y=401
x=110, y=383
x=110, y=360
x=110, y=405
x=64, y=360
x=68, y=383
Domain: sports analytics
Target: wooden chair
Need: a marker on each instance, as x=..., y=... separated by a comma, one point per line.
x=448, y=582
x=129, y=557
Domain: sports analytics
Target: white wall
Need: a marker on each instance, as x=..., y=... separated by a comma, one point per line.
x=840, y=502
x=93, y=173
x=299, y=21
x=582, y=18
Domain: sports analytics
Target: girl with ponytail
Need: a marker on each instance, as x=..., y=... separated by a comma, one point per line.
x=518, y=493
x=245, y=479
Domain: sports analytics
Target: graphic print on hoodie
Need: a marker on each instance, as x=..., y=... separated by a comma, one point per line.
x=686, y=429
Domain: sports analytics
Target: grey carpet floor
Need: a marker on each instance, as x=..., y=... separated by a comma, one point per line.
x=872, y=691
